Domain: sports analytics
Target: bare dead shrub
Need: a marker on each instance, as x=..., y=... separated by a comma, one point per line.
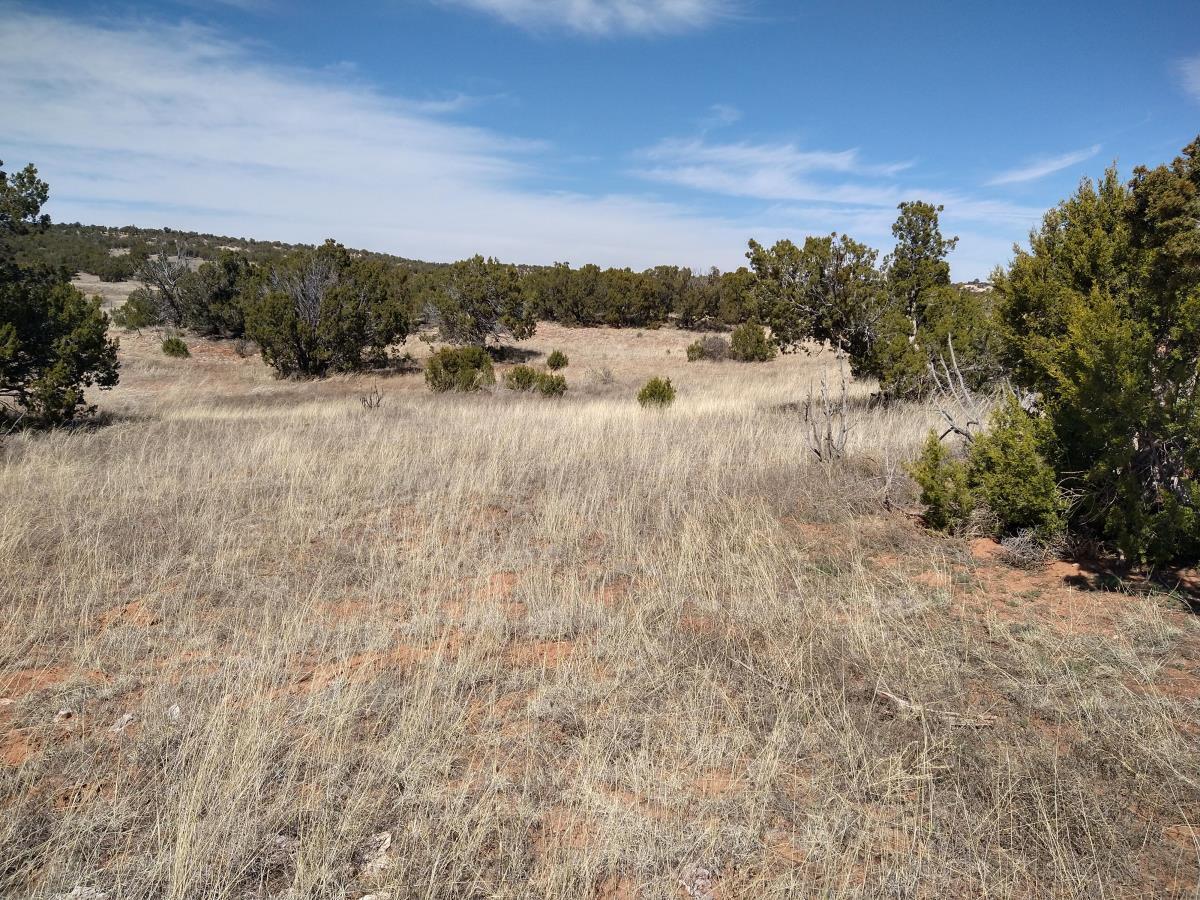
x=828, y=418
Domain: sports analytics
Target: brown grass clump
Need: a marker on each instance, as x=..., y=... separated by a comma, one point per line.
x=261, y=642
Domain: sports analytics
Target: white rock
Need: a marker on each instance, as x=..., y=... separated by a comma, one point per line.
x=377, y=859
x=82, y=892
x=124, y=722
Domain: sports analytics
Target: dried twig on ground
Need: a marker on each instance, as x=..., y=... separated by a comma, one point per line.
x=922, y=711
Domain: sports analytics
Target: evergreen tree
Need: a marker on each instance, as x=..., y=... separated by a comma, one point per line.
x=482, y=300
x=53, y=342
x=1102, y=320
x=322, y=310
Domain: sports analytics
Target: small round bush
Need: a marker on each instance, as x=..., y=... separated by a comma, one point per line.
x=750, y=343
x=174, y=346
x=459, y=369
x=1009, y=473
x=657, y=392
x=551, y=385
x=944, y=488
x=557, y=360
x=521, y=378
x=138, y=311
x=711, y=347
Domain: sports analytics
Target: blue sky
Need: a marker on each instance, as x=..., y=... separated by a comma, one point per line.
x=622, y=132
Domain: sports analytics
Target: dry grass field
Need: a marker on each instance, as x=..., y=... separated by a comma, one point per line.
x=257, y=640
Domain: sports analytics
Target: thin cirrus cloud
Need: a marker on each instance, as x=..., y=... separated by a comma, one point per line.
x=805, y=181
x=1040, y=168
x=605, y=17
x=774, y=172
x=175, y=125
x=835, y=190
x=1189, y=76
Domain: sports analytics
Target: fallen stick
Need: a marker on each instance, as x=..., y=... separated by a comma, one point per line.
x=910, y=707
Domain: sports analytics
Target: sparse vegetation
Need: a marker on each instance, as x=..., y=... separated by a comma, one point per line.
x=562, y=645
x=261, y=643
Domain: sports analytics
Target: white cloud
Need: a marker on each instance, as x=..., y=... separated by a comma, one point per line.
x=766, y=171
x=815, y=179
x=158, y=125
x=175, y=125
x=1040, y=168
x=719, y=116
x=605, y=17
x=1189, y=76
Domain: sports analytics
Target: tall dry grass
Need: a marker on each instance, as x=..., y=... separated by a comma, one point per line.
x=497, y=646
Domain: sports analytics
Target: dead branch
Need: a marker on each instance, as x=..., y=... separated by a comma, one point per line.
x=828, y=419
x=921, y=710
x=962, y=409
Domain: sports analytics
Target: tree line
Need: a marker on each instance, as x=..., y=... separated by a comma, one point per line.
x=1094, y=328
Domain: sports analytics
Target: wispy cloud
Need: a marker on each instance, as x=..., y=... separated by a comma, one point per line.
x=176, y=125
x=720, y=115
x=775, y=172
x=157, y=124
x=1043, y=166
x=1189, y=75
x=606, y=17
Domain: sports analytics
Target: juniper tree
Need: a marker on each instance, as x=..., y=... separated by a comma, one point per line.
x=53, y=341
x=1102, y=321
x=480, y=300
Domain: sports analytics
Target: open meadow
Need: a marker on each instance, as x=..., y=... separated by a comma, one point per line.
x=259, y=640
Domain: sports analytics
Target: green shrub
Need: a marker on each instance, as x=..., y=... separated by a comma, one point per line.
x=657, y=392
x=750, y=343
x=175, y=347
x=53, y=342
x=711, y=347
x=1102, y=322
x=521, y=378
x=476, y=300
x=944, y=485
x=1009, y=473
x=320, y=310
x=117, y=268
x=557, y=360
x=139, y=311
x=551, y=385
x=459, y=369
